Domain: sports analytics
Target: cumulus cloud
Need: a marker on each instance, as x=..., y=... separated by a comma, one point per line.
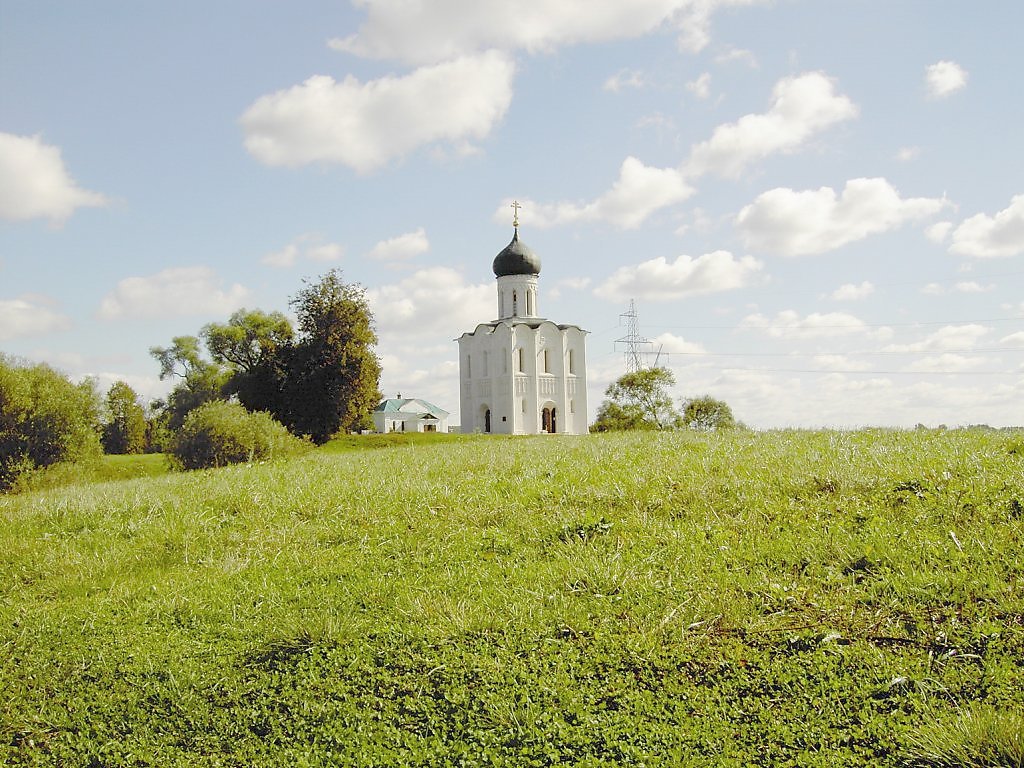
x=661, y=280
x=29, y=316
x=944, y=78
x=670, y=344
x=172, y=292
x=639, y=192
x=430, y=302
x=626, y=78
x=841, y=363
x=34, y=184
x=366, y=125
x=701, y=87
x=938, y=231
x=802, y=106
x=1013, y=340
x=793, y=223
x=790, y=325
x=402, y=247
x=950, y=338
x=945, y=363
x=421, y=33
x=984, y=236
x=851, y=292
x=310, y=246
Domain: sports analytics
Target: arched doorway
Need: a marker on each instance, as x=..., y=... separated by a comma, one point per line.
x=549, y=419
x=487, y=419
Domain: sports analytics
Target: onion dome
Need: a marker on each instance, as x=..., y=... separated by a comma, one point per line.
x=516, y=259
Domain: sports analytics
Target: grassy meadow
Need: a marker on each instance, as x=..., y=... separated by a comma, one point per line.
x=776, y=599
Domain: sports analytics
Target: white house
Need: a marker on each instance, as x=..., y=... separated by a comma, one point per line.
x=522, y=374
x=409, y=414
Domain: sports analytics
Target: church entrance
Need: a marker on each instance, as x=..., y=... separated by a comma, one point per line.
x=487, y=420
x=548, y=421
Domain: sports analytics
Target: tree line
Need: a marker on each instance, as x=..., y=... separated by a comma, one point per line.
x=237, y=383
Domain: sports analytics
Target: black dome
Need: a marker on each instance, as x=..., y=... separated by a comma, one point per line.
x=516, y=259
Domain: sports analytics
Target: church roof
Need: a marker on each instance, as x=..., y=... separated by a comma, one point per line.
x=516, y=259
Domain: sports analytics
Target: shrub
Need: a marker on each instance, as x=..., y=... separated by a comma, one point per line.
x=45, y=419
x=219, y=433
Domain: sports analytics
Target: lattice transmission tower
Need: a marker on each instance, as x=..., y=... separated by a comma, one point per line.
x=636, y=345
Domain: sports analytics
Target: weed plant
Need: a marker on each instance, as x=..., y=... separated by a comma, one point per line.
x=783, y=598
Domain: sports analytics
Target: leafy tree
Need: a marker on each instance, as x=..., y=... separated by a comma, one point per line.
x=332, y=371
x=125, y=432
x=638, y=400
x=220, y=433
x=707, y=414
x=200, y=380
x=45, y=419
x=255, y=346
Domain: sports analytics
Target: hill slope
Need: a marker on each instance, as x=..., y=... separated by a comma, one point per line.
x=796, y=598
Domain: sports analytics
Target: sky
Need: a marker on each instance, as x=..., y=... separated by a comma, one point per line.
x=815, y=207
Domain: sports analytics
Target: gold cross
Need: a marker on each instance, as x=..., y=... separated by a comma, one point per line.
x=515, y=216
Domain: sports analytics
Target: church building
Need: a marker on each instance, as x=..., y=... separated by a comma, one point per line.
x=522, y=374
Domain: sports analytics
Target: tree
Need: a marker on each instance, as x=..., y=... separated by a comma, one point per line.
x=638, y=400
x=253, y=345
x=45, y=419
x=332, y=371
x=201, y=380
x=707, y=414
x=125, y=432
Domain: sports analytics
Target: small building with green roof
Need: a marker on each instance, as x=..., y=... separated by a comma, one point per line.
x=409, y=414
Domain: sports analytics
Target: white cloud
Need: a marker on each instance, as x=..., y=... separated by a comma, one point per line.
x=985, y=236
x=366, y=125
x=172, y=292
x=944, y=78
x=949, y=338
x=402, y=247
x=841, y=363
x=945, y=363
x=310, y=246
x=802, y=106
x=661, y=280
x=731, y=55
x=626, y=78
x=906, y=154
x=701, y=87
x=327, y=252
x=851, y=292
x=795, y=223
x=430, y=302
x=965, y=286
x=639, y=192
x=420, y=32
x=789, y=324
x=29, y=316
x=938, y=231
x=1013, y=340
x=34, y=184
x=670, y=344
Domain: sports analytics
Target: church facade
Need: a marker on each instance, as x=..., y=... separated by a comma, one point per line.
x=522, y=374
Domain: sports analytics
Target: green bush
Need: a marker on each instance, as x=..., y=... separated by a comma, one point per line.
x=45, y=419
x=219, y=433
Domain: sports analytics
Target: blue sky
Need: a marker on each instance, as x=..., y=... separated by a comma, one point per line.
x=818, y=207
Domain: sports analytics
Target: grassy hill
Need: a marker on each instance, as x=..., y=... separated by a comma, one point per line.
x=793, y=598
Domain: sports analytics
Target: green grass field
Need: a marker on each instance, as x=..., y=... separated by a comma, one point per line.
x=782, y=599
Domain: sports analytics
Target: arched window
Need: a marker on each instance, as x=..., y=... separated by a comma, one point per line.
x=515, y=304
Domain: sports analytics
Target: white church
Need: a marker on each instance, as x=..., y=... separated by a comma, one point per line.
x=522, y=374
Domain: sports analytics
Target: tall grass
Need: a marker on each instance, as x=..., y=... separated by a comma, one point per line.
x=804, y=598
